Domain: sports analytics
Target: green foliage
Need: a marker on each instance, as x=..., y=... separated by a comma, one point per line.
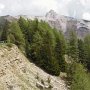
x=73, y=46
x=9, y=45
x=60, y=49
x=80, y=79
x=35, y=48
x=18, y=35
x=41, y=43
x=82, y=53
x=23, y=24
x=87, y=51
x=13, y=34
x=51, y=64
x=5, y=31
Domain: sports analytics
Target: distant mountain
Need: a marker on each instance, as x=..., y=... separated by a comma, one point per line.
x=65, y=24
x=60, y=22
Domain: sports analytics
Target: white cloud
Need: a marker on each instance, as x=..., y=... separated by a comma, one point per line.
x=86, y=16
x=42, y=6
x=62, y=7
x=1, y=7
x=45, y=3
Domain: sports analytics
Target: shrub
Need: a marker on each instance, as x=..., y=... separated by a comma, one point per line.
x=9, y=45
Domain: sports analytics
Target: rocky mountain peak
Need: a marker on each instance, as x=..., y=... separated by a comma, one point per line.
x=51, y=14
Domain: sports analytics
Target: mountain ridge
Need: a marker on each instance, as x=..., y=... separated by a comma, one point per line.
x=60, y=22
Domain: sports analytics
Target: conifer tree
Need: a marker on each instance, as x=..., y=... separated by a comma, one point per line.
x=80, y=78
x=73, y=46
x=81, y=51
x=36, y=47
x=60, y=49
x=5, y=31
x=51, y=63
x=87, y=51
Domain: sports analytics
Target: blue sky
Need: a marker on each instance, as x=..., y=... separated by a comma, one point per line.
x=72, y=8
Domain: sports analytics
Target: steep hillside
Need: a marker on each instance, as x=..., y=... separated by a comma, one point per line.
x=17, y=73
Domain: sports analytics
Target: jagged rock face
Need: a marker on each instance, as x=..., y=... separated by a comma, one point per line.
x=65, y=24
x=51, y=15
x=56, y=21
x=18, y=73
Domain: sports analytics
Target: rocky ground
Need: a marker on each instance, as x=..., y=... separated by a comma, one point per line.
x=17, y=73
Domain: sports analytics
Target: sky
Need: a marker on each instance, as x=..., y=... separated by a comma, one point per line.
x=73, y=8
